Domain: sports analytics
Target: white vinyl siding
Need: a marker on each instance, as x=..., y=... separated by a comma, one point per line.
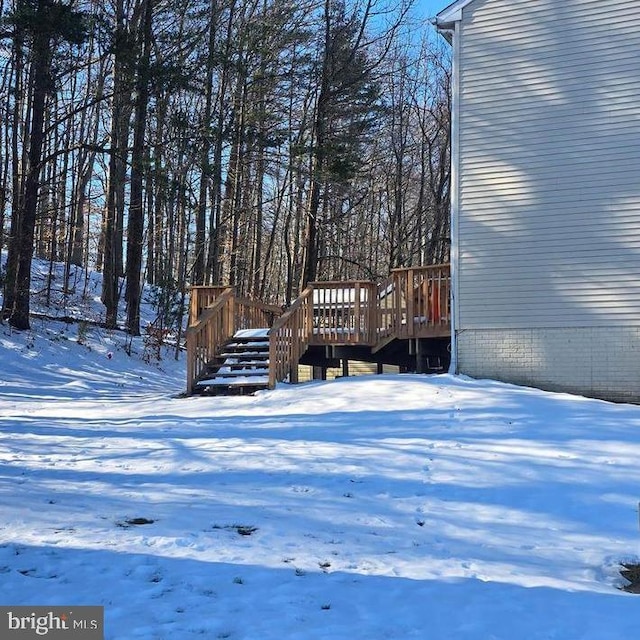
x=549, y=174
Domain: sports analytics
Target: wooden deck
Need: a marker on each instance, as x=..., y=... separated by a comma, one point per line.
x=412, y=304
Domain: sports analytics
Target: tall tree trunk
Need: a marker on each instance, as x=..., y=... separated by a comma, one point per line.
x=17, y=132
x=214, y=268
x=86, y=163
x=135, y=227
x=205, y=151
x=41, y=69
x=112, y=222
x=310, y=269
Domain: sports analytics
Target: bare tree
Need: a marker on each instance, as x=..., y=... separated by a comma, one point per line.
x=42, y=25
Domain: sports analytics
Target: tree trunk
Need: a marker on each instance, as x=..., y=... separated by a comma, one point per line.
x=41, y=63
x=16, y=181
x=135, y=227
x=205, y=151
x=112, y=222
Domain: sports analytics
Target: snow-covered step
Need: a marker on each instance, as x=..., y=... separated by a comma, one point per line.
x=235, y=373
x=254, y=344
x=249, y=365
x=253, y=334
x=229, y=378
x=231, y=350
x=239, y=381
x=241, y=367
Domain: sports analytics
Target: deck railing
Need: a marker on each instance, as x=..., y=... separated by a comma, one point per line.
x=386, y=315
x=411, y=303
x=344, y=312
x=215, y=314
x=252, y=314
x=202, y=297
x=212, y=327
x=289, y=338
x=421, y=302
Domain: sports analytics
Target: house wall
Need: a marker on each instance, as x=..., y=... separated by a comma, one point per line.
x=548, y=193
x=601, y=362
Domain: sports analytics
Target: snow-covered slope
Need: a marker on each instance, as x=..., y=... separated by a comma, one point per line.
x=65, y=358
x=370, y=508
x=54, y=360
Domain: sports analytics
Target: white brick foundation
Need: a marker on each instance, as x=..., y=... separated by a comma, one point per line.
x=600, y=362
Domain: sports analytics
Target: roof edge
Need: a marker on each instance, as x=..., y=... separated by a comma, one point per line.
x=450, y=14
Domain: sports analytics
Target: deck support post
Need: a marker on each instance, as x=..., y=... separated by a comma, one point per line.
x=420, y=359
x=319, y=373
x=345, y=368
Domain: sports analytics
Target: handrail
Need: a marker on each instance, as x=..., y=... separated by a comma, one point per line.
x=424, y=267
x=289, y=338
x=214, y=326
x=220, y=313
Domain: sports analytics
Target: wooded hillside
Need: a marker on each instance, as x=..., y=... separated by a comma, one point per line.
x=258, y=143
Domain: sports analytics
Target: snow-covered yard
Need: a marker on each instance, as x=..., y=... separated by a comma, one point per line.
x=370, y=508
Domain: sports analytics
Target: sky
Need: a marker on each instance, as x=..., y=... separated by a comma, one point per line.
x=429, y=8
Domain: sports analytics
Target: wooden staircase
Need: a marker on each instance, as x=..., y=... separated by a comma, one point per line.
x=241, y=367
x=237, y=345
x=225, y=333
